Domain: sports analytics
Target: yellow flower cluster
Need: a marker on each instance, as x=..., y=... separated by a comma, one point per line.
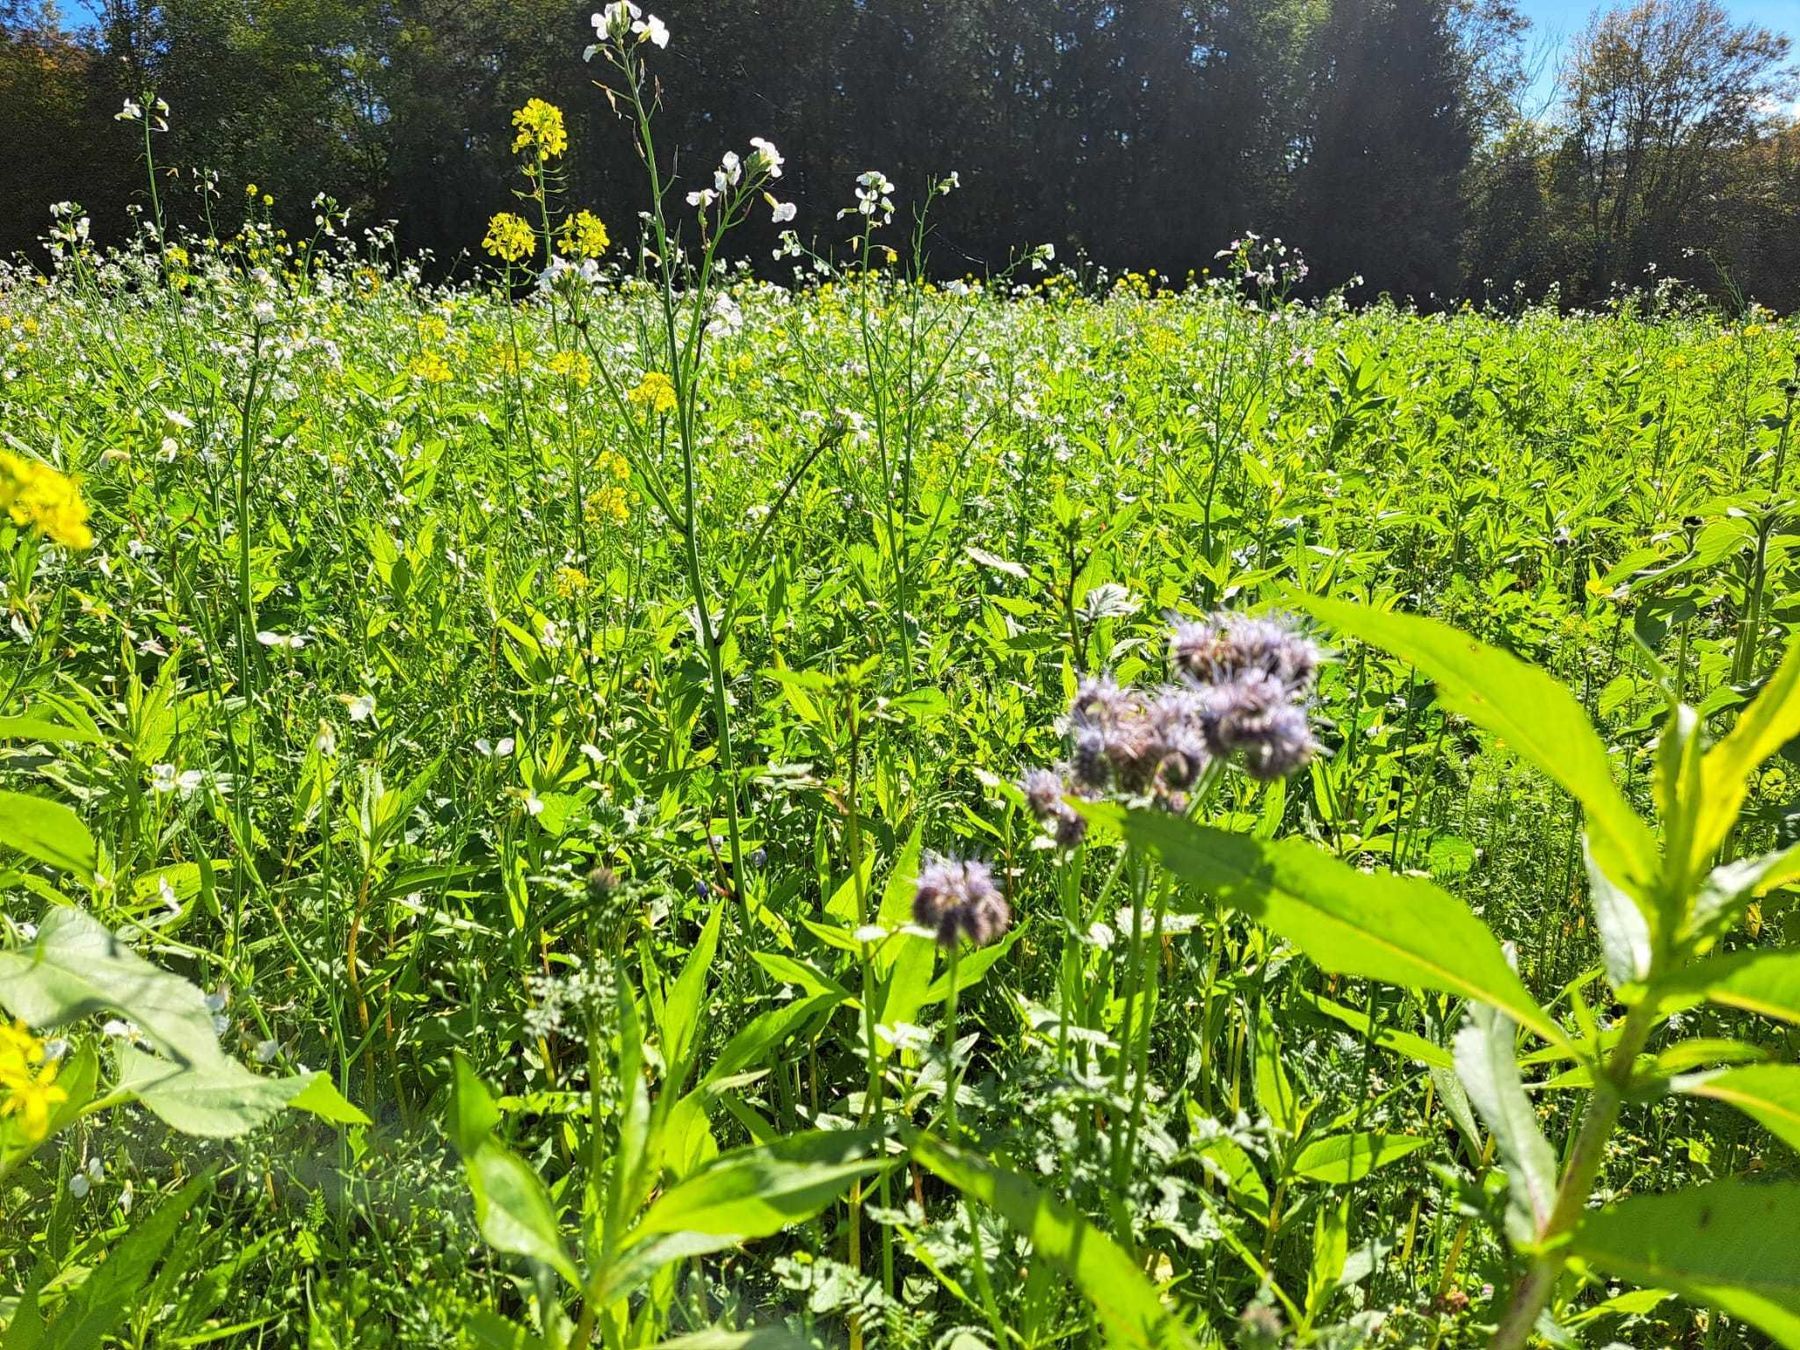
x=541, y=130
x=430, y=367
x=27, y=1081
x=656, y=391
x=570, y=581
x=583, y=236
x=37, y=495
x=509, y=238
x=573, y=364
x=610, y=503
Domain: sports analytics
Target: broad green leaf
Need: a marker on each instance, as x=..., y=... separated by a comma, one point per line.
x=29, y=727
x=1763, y=982
x=762, y=1338
x=1331, y=1249
x=1733, y=1244
x=1767, y=1093
x=1488, y=1070
x=1274, y=1089
x=1402, y=930
x=1342, y=1158
x=1407, y=1043
x=105, y=1298
x=1730, y=887
x=765, y=1033
x=753, y=1192
x=1625, y=940
x=47, y=831
x=681, y=1013
x=1224, y=1158
x=222, y=1099
x=512, y=1209
x=1762, y=729
x=1128, y=1306
x=75, y=967
x=1533, y=714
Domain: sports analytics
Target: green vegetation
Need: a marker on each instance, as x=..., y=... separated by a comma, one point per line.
x=528, y=823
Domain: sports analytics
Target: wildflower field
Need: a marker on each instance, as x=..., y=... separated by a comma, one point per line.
x=621, y=803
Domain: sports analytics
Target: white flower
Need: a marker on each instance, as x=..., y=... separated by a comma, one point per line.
x=265, y=1051
x=164, y=778
x=294, y=641
x=216, y=1001
x=263, y=311
x=131, y=112
x=534, y=805
x=326, y=741
x=498, y=751
x=652, y=29
x=873, y=193
x=361, y=708
x=727, y=317
x=730, y=170
x=79, y=1185
x=702, y=198
x=616, y=19
x=1042, y=255
x=170, y=901
x=765, y=156
x=780, y=212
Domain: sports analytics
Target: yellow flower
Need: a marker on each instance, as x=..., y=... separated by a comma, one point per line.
x=509, y=238
x=611, y=461
x=608, y=504
x=573, y=364
x=583, y=236
x=570, y=581
x=655, y=391
x=430, y=367
x=37, y=495
x=540, y=127
x=28, y=1082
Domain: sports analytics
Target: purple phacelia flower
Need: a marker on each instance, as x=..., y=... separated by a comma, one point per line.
x=957, y=898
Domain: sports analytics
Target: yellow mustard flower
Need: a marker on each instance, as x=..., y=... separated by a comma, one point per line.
x=570, y=581
x=583, y=236
x=608, y=504
x=27, y=1081
x=655, y=391
x=573, y=364
x=430, y=367
x=541, y=130
x=37, y=495
x=509, y=238
x=611, y=461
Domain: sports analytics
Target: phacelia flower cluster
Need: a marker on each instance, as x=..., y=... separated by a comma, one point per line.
x=957, y=898
x=1241, y=692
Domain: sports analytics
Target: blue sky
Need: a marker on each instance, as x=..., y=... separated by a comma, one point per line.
x=1557, y=21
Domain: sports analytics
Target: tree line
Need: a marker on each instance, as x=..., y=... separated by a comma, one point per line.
x=1391, y=139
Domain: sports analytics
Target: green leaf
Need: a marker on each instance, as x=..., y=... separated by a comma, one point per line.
x=1274, y=1089
x=1489, y=1072
x=1730, y=887
x=762, y=1338
x=47, y=831
x=116, y=1285
x=1762, y=729
x=1625, y=940
x=31, y=728
x=1378, y=926
x=1733, y=1244
x=222, y=1099
x=1129, y=1309
x=1767, y=1093
x=512, y=1208
x=1407, y=1043
x=75, y=967
x=681, y=1014
x=1344, y=1158
x=753, y=1192
x=1536, y=716
x=765, y=1033
x=1763, y=982
x=1331, y=1250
